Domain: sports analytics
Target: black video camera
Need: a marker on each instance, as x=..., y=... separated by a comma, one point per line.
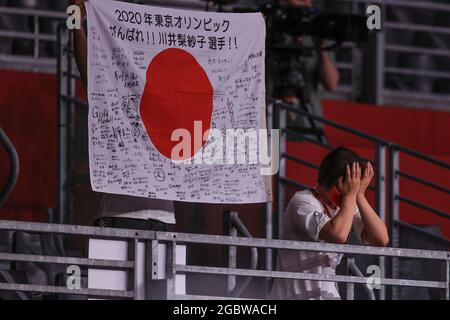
x=299, y=21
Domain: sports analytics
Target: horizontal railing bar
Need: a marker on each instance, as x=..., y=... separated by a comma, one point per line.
x=27, y=35
x=307, y=276
x=33, y=12
x=300, y=161
x=117, y=264
x=64, y=290
x=309, y=139
x=421, y=97
x=331, y=123
x=302, y=245
x=293, y=183
x=415, y=27
x=417, y=50
x=423, y=181
x=417, y=72
x=38, y=227
x=51, y=62
x=423, y=232
x=423, y=207
x=422, y=156
x=29, y=67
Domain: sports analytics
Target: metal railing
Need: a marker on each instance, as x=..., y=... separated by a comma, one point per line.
x=151, y=239
x=391, y=78
x=396, y=197
x=133, y=237
x=304, y=246
x=383, y=151
x=34, y=61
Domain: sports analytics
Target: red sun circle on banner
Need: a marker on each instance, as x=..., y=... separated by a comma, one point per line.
x=177, y=93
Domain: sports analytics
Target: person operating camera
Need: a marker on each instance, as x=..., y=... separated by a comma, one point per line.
x=294, y=78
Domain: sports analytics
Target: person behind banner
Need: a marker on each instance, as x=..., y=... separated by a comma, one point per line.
x=327, y=213
x=122, y=211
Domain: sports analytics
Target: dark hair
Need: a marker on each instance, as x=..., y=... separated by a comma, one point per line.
x=333, y=165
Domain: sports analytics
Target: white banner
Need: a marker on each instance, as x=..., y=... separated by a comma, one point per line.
x=176, y=99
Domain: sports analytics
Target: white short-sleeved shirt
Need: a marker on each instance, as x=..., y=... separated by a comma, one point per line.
x=303, y=220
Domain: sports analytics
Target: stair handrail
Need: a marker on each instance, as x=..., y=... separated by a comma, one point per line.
x=353, y=270
x=234, y=222
x=14, y=167
x=331, y=123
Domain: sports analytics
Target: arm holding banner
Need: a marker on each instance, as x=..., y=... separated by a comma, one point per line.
x=80, y=45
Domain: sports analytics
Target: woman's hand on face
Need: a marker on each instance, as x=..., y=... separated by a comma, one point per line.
x=366, y=178
x=352, y=183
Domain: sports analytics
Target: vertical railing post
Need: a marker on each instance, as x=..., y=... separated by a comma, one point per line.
x=36, y=37
x=394, y=164
x=230, y=230
x=132, y=274
x=269, y=205
x=446, y=274
x=380, y=58
x=136, y=292
x=350, y=286
x=62, y=88
x=380, y=200
x=170, y=270
x=281, y=121
x=356, y=77
x=151, y=269
x=68, y=217
x=156, y=279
